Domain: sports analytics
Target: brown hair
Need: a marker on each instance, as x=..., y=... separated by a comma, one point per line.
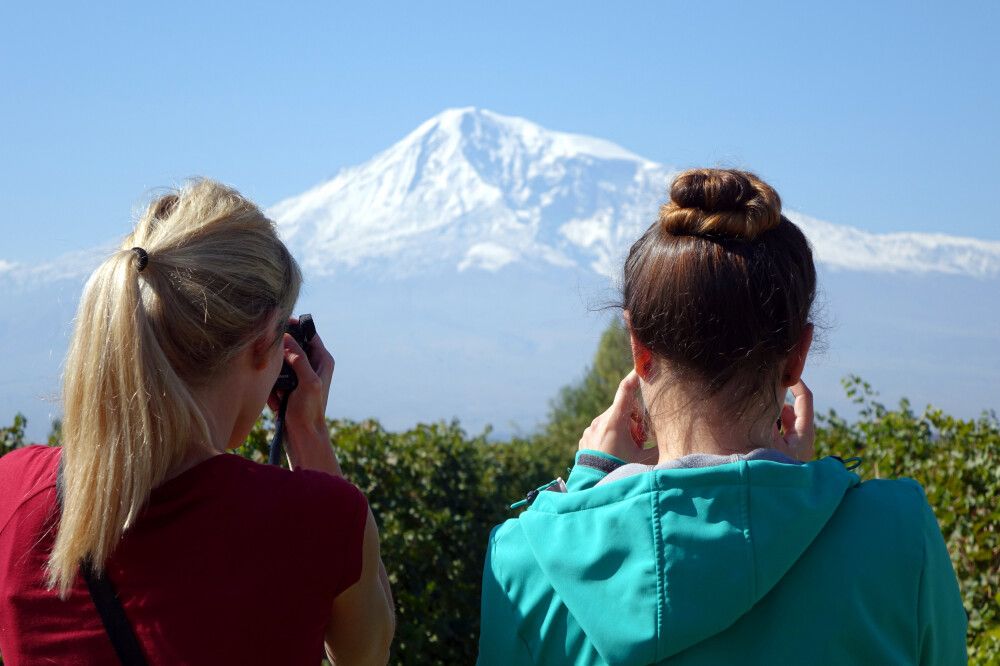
x=721, y=286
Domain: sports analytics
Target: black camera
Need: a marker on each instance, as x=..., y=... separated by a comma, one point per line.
x=303, y=332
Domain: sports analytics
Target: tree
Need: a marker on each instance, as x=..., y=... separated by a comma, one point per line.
x=12, y=436
x=577, y=405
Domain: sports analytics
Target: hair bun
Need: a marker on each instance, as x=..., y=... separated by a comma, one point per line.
x=720, y=202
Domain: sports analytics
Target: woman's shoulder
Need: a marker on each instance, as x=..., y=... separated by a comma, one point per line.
x=26, y=473
x=892, y=510
x=904, y=494
x=33, y=456
x=299, y=482
x=305, y=491
x=29, y=467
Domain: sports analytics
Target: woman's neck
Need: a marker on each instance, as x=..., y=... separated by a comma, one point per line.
x=677, y=438
x=220, y=413
x=683, y=426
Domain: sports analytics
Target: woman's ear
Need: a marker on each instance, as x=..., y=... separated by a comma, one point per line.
x=796, y=360
x=642, y=357
x=261, y=349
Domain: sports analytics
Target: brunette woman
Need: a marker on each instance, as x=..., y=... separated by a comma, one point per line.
x=725, y=543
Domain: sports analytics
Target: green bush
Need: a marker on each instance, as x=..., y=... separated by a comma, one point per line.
x=430, y=490
x=576, y=405
x=12, y=436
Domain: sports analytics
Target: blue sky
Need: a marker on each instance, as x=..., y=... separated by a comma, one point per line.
x=880, y=115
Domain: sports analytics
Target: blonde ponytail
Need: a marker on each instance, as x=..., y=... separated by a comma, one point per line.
x=216, y=273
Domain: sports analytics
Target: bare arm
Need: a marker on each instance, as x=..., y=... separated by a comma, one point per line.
x=362, y=621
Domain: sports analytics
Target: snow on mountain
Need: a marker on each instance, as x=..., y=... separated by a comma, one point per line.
x=848, y=248
x=75, y=265
x=471, y=189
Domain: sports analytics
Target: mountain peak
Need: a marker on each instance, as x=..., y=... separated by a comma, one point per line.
x=482, y=127
x=474, y=189
x=471, y=188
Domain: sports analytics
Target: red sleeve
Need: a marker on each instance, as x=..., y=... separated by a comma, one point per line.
x=340, y=518
x=355, y=529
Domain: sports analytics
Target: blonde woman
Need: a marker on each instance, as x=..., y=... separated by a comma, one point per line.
x=209, y=558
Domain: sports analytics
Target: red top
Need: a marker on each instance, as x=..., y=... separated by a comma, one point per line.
x=231, y=562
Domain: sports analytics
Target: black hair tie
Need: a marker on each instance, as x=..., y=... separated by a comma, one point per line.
x=143, y=257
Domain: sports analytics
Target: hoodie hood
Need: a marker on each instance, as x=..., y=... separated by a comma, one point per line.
x=652, y=564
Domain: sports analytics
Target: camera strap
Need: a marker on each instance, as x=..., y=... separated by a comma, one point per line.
x=108, y=605
x=275, y=451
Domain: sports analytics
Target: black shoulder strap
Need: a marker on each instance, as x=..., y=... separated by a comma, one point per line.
x=109, y=607
x=113, y=617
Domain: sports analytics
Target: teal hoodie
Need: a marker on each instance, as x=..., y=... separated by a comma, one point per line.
x=746, y=562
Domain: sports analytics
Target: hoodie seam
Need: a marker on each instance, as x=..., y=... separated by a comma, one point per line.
x=658, y=559
x=506, y=594
x=922, y=498
x=651, y=488
x=745, y=510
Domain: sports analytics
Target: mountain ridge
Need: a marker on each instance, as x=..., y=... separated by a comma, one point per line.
x=476, y=178
x=471, y=189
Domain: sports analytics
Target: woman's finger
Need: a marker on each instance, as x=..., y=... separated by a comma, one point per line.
x=803, y=408
x=318, y=350
x=322, y=363
x=797, y=420
x=624, y=402
x=299, y=361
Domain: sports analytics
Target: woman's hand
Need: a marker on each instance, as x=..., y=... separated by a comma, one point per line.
x=797, y=437
x=619, y=430
x=307, y=439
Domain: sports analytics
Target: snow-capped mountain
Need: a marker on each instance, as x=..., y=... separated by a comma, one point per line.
x=457, y=274
x=845, y=247
x=474, y=189
x=470, y=188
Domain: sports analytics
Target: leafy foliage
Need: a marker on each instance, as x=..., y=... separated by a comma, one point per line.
x=257, y=444
x=12, y=436
x=577, y=405
x=429, y=487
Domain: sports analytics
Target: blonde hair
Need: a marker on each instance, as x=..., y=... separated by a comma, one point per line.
x=145, y=336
